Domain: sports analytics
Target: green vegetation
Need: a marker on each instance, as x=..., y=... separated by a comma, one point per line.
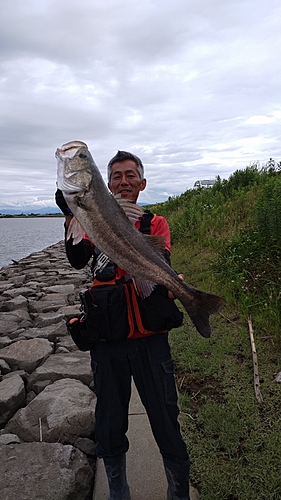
x=227, y=239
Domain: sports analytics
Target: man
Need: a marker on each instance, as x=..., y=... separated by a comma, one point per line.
x=145, y=356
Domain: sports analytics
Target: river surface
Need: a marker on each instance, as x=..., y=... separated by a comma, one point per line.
x=19, y=237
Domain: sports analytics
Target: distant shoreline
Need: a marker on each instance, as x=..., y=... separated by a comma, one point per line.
x=28, y=216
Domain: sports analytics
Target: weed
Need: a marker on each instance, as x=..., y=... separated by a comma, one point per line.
x=227, y=240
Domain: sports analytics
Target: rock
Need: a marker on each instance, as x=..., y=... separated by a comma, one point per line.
x=5, y=286
x=17, y=303
x=278, y=378
x=50, y=332
x=34, y=284
x=4, y=341
x=69, y=311
x=30, y=396
x=50, y=302
x=12, y=321
x=67, y=343
x=20, y=315
x=41, y=385
x=61, y=350
x=4, y=367
x=26, y=354
x=20, y=278
x=14, y=336
x=8, y=323
x=44, y=471
x=37, y=295
x=12, y=397
x=65, y=289
x=66, y=409
x=86, y=445
x=73, y=365
x=14, y=292
x=61, y=329
x=46, y=319
x=21, y=373
x=11, y=439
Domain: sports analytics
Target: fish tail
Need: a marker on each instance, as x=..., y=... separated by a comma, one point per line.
x=204, y=305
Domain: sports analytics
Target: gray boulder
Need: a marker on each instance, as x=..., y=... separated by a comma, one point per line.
x=4, y=341
x=67, y=343
x=4, y=367
x=14, y=292
x=5, y=286
x=44, y=471
x=85, y=445
x=41, y=320
x=13, y=438
x=18, y=302
x=60, y=413
x=48, y=303
x=70, y=311
x=73, y=365
x=65, y=289
x=12, y=321
x=50, y=332
x=26, y=354
x=12, y=397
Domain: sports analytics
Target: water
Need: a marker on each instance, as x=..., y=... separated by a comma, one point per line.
x=19, y=237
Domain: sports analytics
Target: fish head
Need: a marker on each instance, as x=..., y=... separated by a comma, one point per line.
x=74, y=173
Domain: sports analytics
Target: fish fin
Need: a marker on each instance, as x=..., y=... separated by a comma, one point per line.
x=205, y=304
x=133, y=212
x=75, y=230
x=143, y=288
x=157, y=242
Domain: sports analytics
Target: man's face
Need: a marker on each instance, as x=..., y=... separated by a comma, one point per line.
x=125, y=180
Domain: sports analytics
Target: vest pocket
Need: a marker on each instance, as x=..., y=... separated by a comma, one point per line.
x=106, y=314
x=158, y=312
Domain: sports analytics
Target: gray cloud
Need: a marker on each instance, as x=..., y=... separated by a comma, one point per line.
x=193, y=88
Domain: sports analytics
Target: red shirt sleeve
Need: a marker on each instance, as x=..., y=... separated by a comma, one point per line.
x=159, y=227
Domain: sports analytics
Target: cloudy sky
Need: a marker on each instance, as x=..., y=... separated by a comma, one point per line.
x=193, y=87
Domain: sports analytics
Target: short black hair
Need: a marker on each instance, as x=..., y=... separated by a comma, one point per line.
x=122, y=156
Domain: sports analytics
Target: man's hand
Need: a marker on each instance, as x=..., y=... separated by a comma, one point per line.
x=61, y=203
x=170, y=294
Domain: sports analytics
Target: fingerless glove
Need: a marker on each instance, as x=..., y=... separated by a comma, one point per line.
x=61, y=203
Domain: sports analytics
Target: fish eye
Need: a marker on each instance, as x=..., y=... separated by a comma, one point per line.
x=82, y=156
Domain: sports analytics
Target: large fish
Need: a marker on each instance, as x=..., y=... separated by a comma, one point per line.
x=107, y=225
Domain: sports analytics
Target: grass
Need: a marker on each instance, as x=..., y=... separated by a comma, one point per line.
x=227, y=240
x=234, y=442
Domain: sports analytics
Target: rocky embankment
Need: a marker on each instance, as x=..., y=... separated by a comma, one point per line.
x=46, y=399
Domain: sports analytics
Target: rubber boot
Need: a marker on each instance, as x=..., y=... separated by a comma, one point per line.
x=178, y=480
x=115, y=468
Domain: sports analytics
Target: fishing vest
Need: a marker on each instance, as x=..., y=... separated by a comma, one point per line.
x=112, y=310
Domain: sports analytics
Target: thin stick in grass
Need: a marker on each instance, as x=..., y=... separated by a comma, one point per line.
x=255, y=361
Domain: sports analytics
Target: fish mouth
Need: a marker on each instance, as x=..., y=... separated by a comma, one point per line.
x=69, y=149
x=65, y=179
x=69, y=189
x=73, y=144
